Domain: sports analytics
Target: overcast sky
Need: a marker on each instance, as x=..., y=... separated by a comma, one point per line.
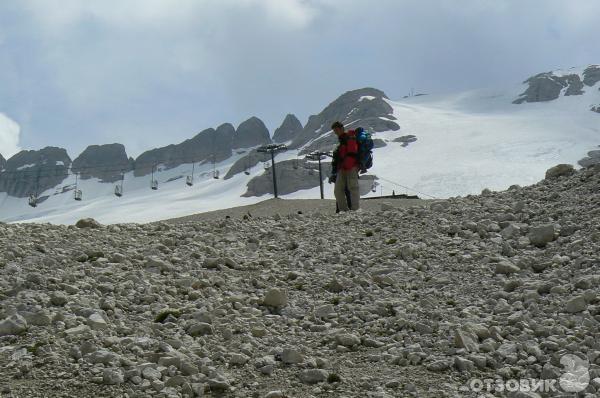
x=148, y=73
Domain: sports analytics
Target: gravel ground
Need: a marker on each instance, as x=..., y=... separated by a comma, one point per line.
x=284, y=207
x=429, y=300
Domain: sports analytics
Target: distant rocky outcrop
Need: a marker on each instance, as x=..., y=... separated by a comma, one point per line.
x=30, y=172
x=592, y=159
x=290, y=127
x=378, y=143
x=595, y=108
x=548, y=86
x=105, y=162
x=292, y=176
x=406, y=140
x=251, y=133
x=591, y=75
x=365, y=107
x=207, y=146
x=223, y=139
x=2, y=162
x=246, y=162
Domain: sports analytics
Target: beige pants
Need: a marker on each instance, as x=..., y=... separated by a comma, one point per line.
x=347, y=180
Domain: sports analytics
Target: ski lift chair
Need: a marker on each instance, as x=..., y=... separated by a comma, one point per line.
x=216, y=174
x=77, y=195
x=33, y=200
x=154, y=185
x=118, y=191
x=189, y=181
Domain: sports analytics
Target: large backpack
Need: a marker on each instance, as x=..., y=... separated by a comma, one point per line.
x=365, y=148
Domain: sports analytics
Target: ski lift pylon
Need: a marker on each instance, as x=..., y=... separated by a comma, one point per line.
x=119, y=188
x=153, y=182
x=77, y=194
x=190, y=179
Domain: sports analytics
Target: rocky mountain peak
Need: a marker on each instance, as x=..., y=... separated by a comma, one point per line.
x=365, y=107
x=105, y=162
x=591, y=75
x=2, y=162
x=549, y=86
x=250, y=133
x=34, y=171
x=290, y=127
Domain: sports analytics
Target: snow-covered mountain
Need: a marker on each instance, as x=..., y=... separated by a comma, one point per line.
x=432, y=145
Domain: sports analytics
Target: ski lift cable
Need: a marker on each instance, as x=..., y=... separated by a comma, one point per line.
x=408, y=188
x=105, y=168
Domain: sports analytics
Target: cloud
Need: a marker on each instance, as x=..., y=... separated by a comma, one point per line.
x=153, y=72
x=9, y=136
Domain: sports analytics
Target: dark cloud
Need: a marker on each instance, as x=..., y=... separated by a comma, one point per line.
x=152, y=72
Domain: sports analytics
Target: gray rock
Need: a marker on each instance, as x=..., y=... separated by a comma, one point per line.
x=291, y=356
x=506, y=267
x=150, y=373
x=219, y=385
x=313, y=376
x=541, y=235
x=200, y=329
x=576, y=304
x=593, y=157
x=13, y=325
x=88, y=223
x=275, y=298
x=463, y=364
x=58, y=298
x=112, y=376
x=275, y=394
x=347, y=339
x=465, y=339
x=439, y=365
x=96, y=322
x=561, y=170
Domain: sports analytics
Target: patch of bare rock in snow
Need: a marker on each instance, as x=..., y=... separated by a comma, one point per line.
x=427, y=301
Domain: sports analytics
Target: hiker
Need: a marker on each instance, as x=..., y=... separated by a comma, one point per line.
x=333, y=177
x=346, y=176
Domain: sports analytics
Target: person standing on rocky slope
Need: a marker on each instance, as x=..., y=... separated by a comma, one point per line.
x=347, y=169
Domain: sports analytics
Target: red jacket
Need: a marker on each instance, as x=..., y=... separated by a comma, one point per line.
x=348, y=151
